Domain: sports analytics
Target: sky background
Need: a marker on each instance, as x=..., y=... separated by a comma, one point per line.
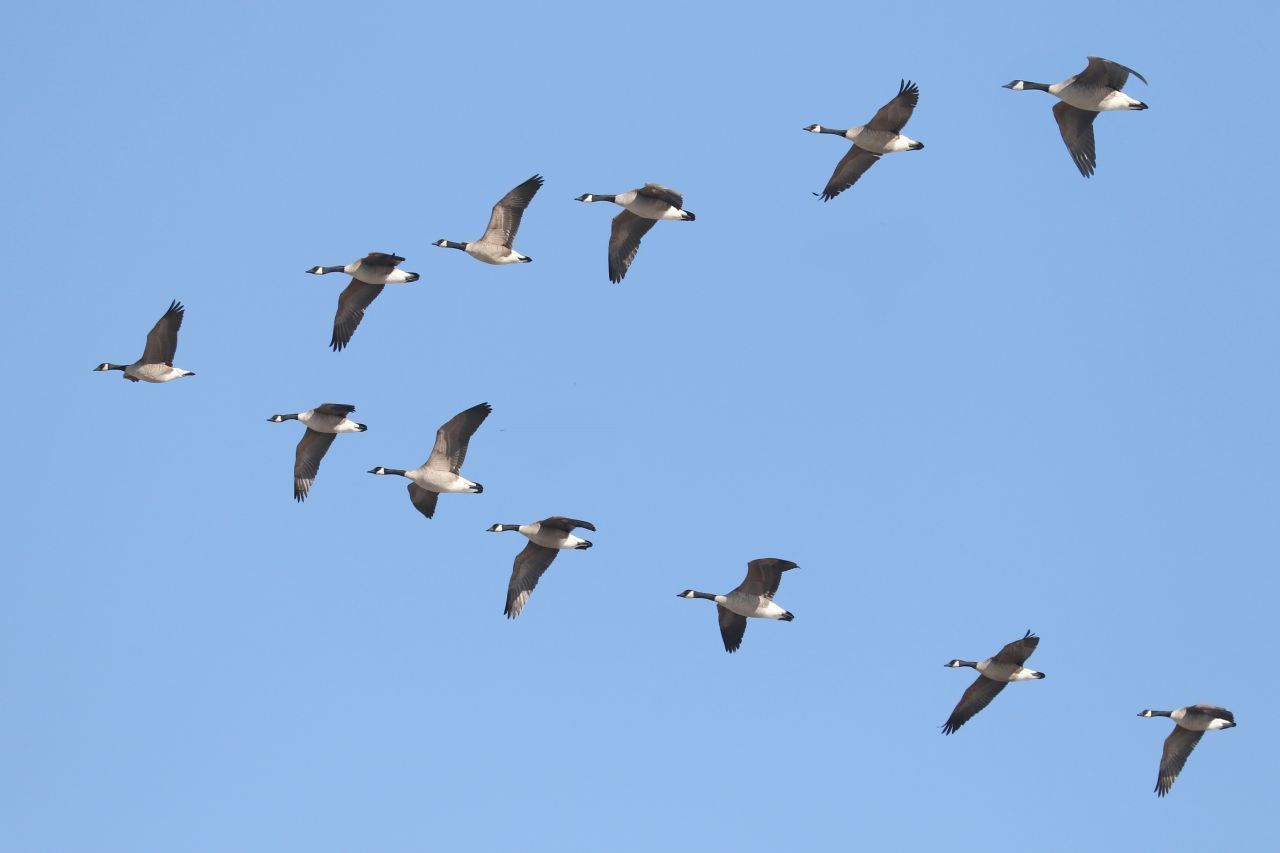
x=974, y=394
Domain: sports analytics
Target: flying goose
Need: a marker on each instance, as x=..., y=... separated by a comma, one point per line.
x=644, y=207
x=1095, y=89
x=368, y=275
x=1190, y=723
x=322, y=423
x=495, y=246
x=881, y=135
x=993, y=674
x=156, y=364
x=440, y=472
x=752, y=597
x=545, y=537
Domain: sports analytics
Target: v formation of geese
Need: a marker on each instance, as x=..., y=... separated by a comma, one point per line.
x=1098, y=88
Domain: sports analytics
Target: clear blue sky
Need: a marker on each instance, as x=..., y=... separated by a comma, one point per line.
x=973, y=395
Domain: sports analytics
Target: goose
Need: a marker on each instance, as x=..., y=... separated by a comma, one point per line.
x=495, y=246
x=643, y=207
x=368, y=275
x=440, y=472
x=1095, y=89
x=993, y=674
x=323, y=423
x=156, y=364
x=752, y=597
x=1190, y=723
x=881, y=135
x=546, y=538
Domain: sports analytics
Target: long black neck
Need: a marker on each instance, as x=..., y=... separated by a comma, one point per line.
x=1042, y=87
x=595, y=197
x=111, y=366
x=324, y=270
x=449, y=244
x=833, y=130
x=399, y=471
x=1162, y=713
x=707, y=595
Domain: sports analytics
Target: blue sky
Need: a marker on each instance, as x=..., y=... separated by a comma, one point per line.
x=975, y=394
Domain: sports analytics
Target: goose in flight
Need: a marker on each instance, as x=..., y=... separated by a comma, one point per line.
x=323, y=423
x=440, y=472
x=546, y=539
x=495, y=246
x=882, y=135
x=751, y=598
x=642, y=209
x=368, y=276
x=993, y=674
x=156, y=364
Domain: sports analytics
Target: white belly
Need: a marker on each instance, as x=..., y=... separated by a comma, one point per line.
x=492, y=253
x=440, y=481
x=154, y=372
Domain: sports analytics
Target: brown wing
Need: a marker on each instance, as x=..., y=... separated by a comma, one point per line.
x=505, y=219
x=895, y=114
x=351, y=304
x=338, y=410
x=1104, y=72
x=1018, y=651
x=764, y=575
x=977, y=697
x=1076, y=127
x=732, y=627
x=529, y=566
x=662, y=193
x=1177, y=746
x=559, y=522
x=450, y=449
x=624, y=242
x=423, y=499
x=162, y=340
x=306, y=460
x=848, y=170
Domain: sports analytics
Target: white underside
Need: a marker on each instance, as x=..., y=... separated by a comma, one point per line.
x=440, y=481
x=327, y=423
x=155, y=372
x=550, y=537
x=493, y=253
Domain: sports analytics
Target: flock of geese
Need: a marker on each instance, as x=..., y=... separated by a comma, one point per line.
x=1080, y=98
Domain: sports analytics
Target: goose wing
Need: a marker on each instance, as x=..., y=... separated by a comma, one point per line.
x=851, y=167
x=423, y=499
x=451, y=439
x=977, y=697
x=337, y=410
x=1104, y=72
x=661, y=193
x=1018, y=651
x=1076, y=127
x=559, y=522
x=624, y=242
x=505, y=219
x=732, y=627
x=162, y=340
x=764, y=575
x=529, y=566
x=894, y=115
x=1177, y=746
x=306, y=460
x=351, y=304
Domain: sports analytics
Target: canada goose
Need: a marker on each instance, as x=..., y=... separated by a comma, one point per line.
x=644, y=207
x=993, y=674
x=156, y=364
x=322, y=423
x=368, y=275
x=752, y=597
x=495, y=246
x=1190, y=723
x=881, y=135
x=1095, y=89
x=545, y=537
x=440, y=472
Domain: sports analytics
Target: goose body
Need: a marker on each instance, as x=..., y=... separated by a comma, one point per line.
x=642, y=209
x=1190, y=724
x=323, y=424
x=882, y=135
x=495, y=246
x=546, y=539
x=1095, y=89
x=156, y=363
x=368, y=276
x=440, y=473
x=993, y=674
x=753, y=598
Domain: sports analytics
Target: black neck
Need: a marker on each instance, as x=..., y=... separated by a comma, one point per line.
x=1027, y=84
x=449, y=244
x=399, y=471
x=833, y=130
x=595, y=197
x=324, y=270
x=111, y=366
x=707, y=595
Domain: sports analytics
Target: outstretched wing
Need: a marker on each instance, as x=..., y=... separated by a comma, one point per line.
x=851, y=167
x=732, y=627
x=977, y=697
x=338, y=410
x=1177, y=746
x=351, y=304
x=662, y=193
x=764, y=575
x=450, y=449
x=423, y=499
x=306, y=460
x=1018, y=651
x=624, y=242
x=162, y=340
x=894, y=115
x=1104, y=72
x=529, y=566
x=559, y=522
x=1076, y=127
x=505, y=219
